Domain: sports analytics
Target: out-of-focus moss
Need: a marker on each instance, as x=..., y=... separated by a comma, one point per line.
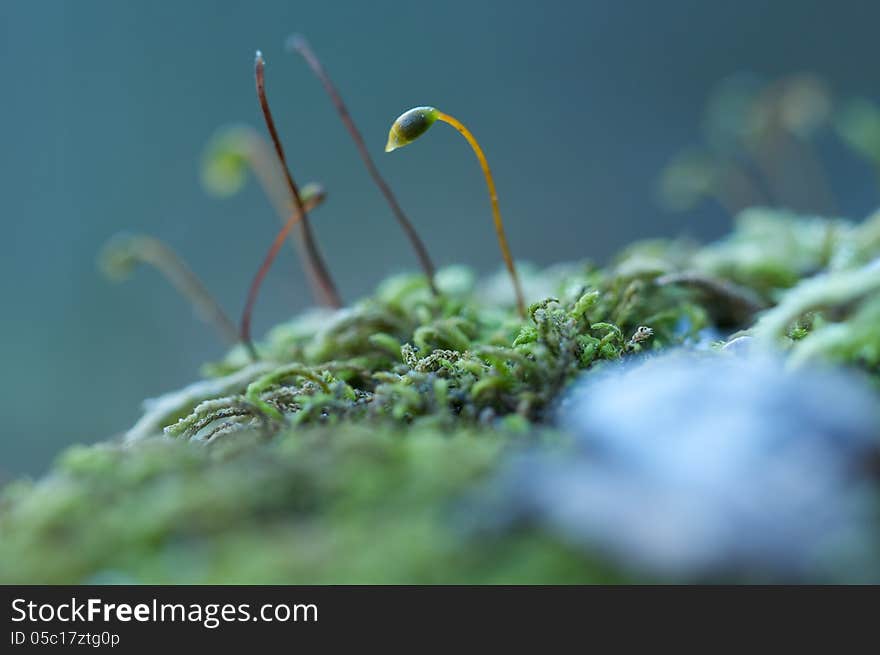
x=322, y=505
x=771, y=250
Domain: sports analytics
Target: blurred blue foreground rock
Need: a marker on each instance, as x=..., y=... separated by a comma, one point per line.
x=712, y=467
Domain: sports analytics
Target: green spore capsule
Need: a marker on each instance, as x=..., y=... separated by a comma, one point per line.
x=409, y=126
x=226, y=160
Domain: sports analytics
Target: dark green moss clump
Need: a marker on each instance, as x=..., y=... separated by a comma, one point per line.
x=407, y=356
x=349, y=452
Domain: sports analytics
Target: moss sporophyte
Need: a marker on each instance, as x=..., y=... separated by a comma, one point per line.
x=298, y=44
x=409, y=126
x=325, y=288
x=125, y=251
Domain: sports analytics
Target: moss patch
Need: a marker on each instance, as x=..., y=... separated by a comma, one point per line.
x=348, y=453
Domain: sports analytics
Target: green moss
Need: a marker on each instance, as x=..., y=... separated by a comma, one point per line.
x=321, y=505
x=347, y=454
x=459, y=360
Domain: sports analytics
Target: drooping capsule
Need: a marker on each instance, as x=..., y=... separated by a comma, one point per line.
x=119, y=257
x=226, y=158
x=412, y=124
x=409, y=126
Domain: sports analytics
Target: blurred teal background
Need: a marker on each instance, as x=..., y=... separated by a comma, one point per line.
x=106, y=107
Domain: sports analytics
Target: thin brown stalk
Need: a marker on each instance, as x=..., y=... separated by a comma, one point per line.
x=254, y=290
x=320, y=276
x=263, y=162
x=300, y=45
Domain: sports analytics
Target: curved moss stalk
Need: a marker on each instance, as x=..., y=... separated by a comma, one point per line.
x=254, y=289
x=325, y=289
x=321, y=277
x=123, y=252
x=300, y=45
x=411, y=125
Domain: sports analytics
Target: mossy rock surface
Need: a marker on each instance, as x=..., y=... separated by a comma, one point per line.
x=353, y=451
